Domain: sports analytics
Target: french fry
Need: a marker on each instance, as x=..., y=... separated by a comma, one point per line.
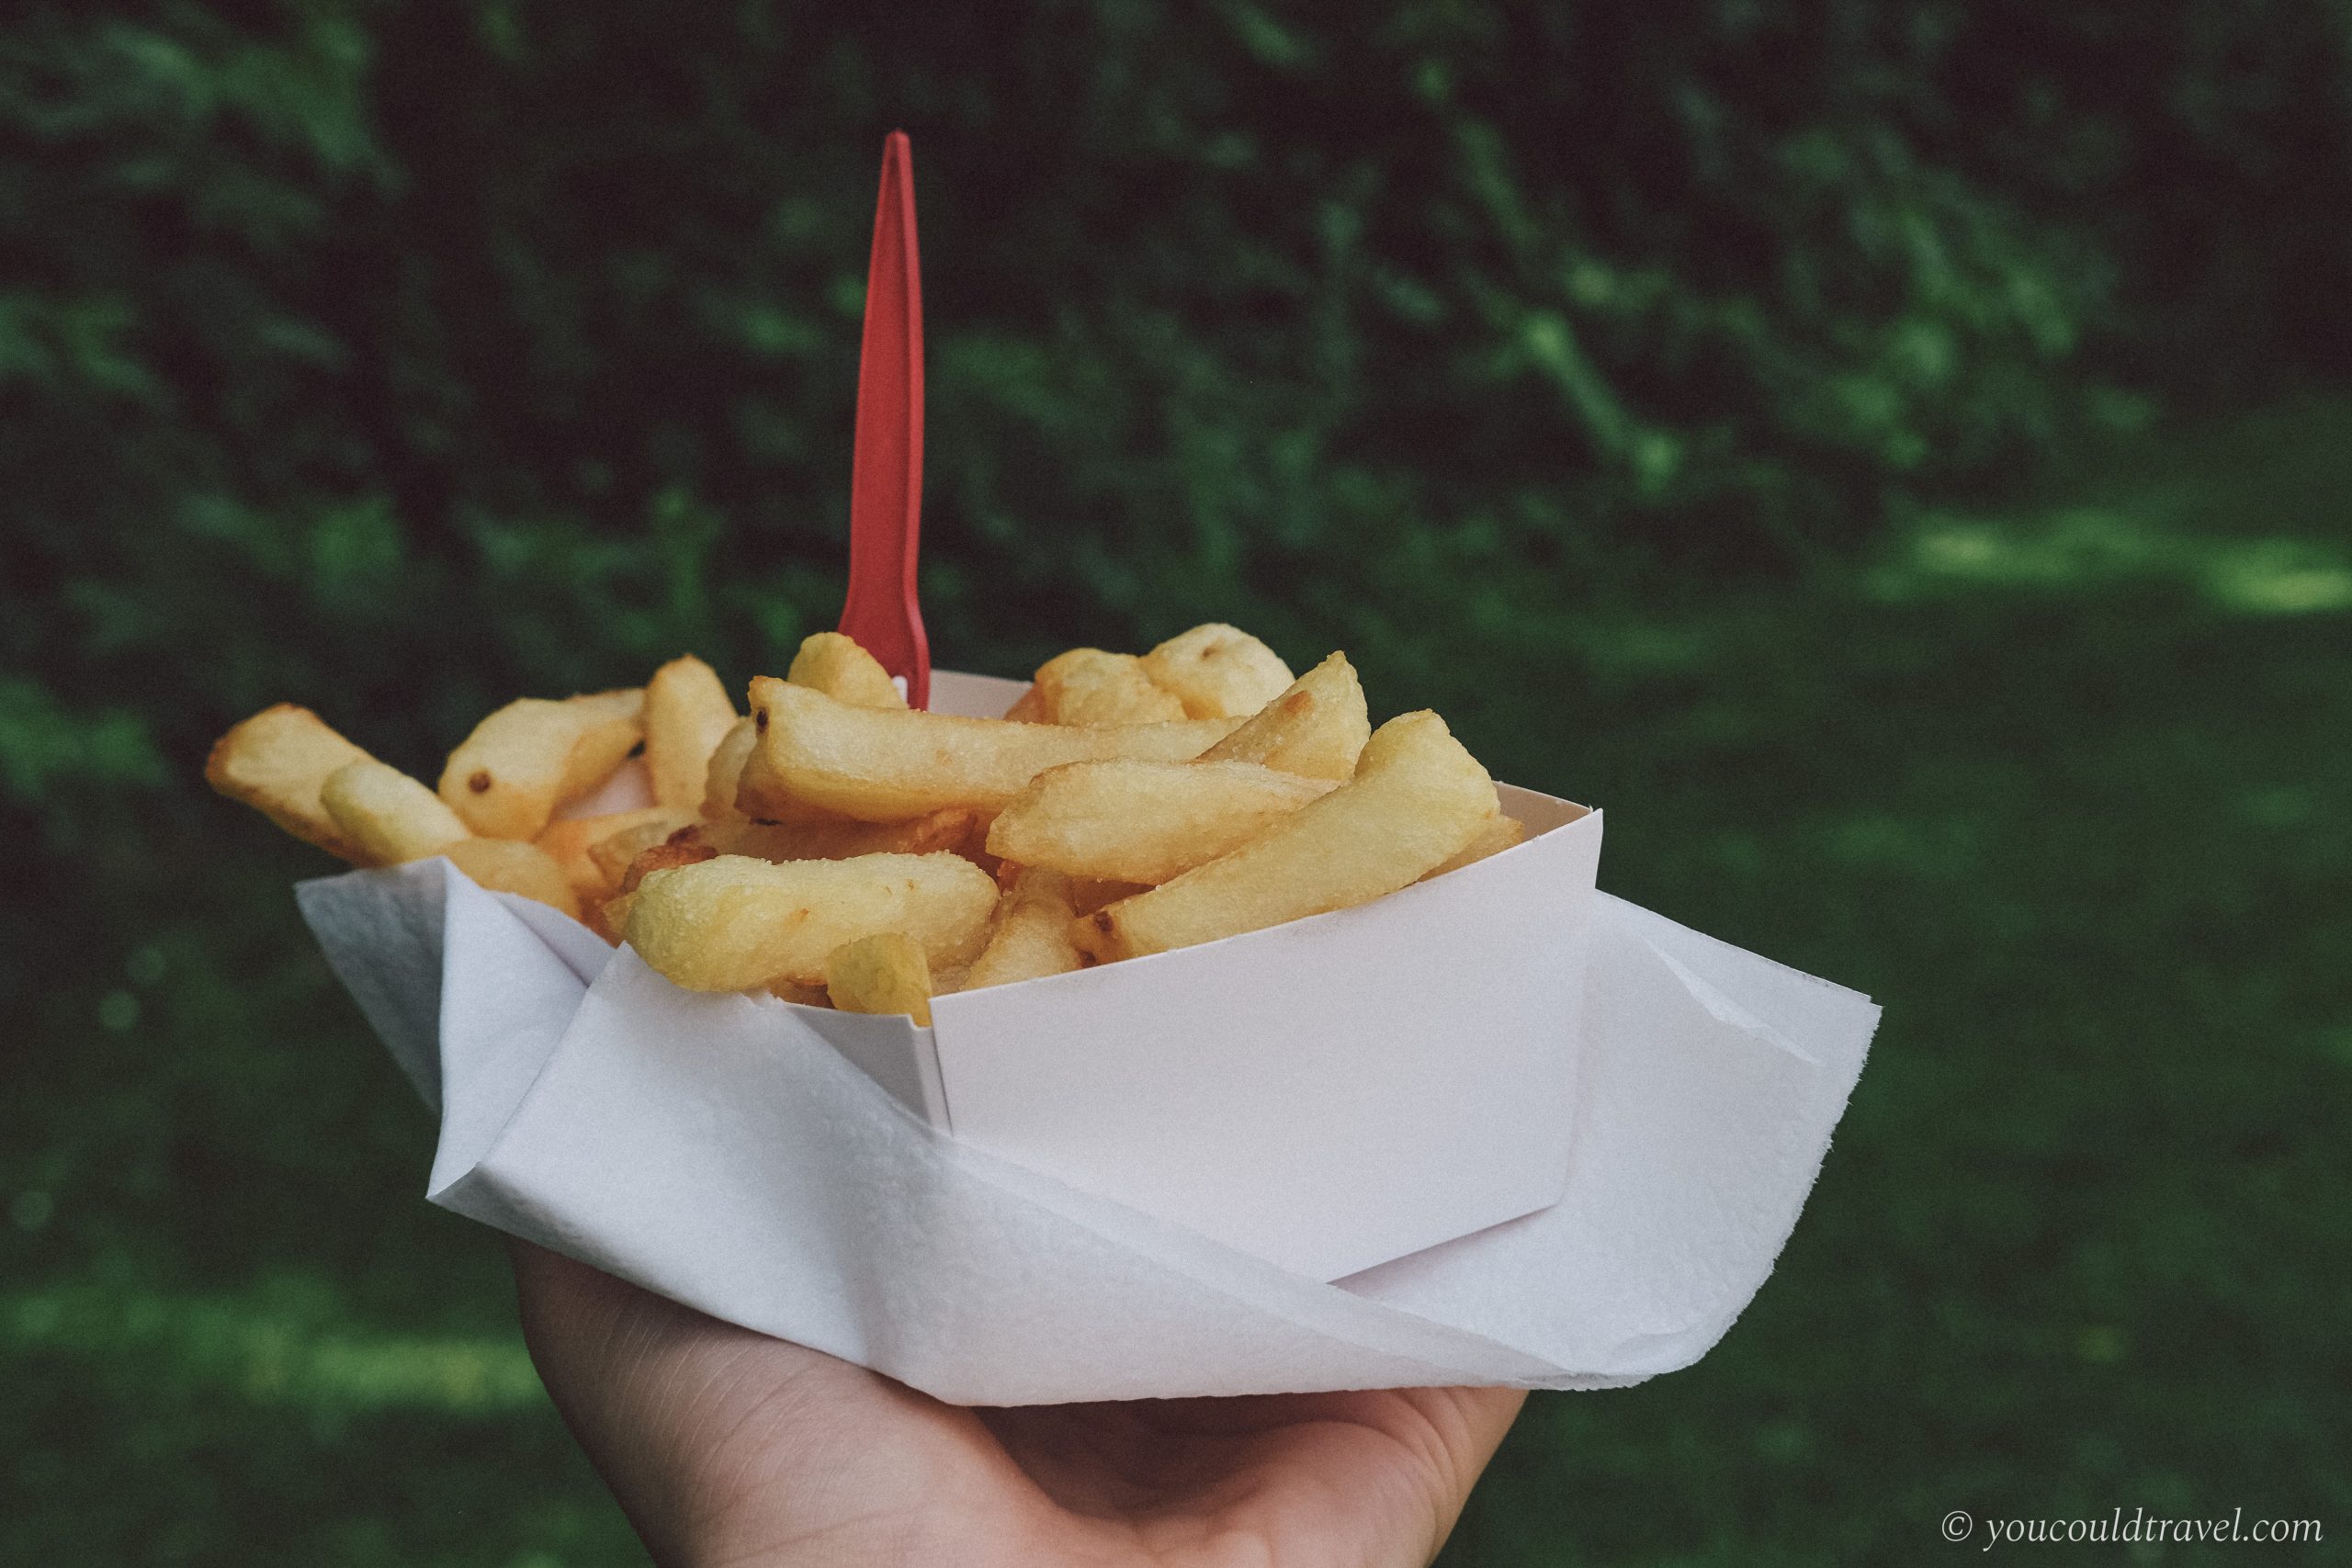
x=836, y=839
x=1087, y=685
x=569, y=839
x=1029, y=938
x=520, y=763
x=679, y=849
x=1088, y=894
x=277, y=761
x=837, y=666
x=1217, y=671
x=1124, y=821
x=510, y=865
x=687, y=713
x=726, y=771
x=614, y=853
x=742, y=836
x=887, y=767
x=608, y=918
x=734, y=922
x=801, y=993
x=976, y=848
x=1499, y=834
x=1316, y=729
x=956, y=828
x=761, y=794
x=388, y=815
x=883, y=973
x=1416, y=800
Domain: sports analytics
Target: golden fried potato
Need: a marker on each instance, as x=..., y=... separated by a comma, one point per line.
x=742, y=836
x=277, y=761
x=1416, y=800
x=1499, y=834
x=800, y=992
x=687, y=713
x=608, y=918
x=1088, y=894
x=734, y=922
x=1087, y=685
x=507, y=778
x=616, y=851
x=1316, y=729
x=835, y=665
x=883, y=973
x=835, y=838
x=569, y=839
x=1029, y=938
x=510, y=865
x=887, y=767
x=954, y=829
x=682, y=848
x=761, y=794
x=1125, y=820
x=726, y=771
x=388, y=815
x=1218, y=672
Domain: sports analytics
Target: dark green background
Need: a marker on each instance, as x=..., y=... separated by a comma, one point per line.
x=1889, y=452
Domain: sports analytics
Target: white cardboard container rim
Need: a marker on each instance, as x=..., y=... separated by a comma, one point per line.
x=1325, y=1095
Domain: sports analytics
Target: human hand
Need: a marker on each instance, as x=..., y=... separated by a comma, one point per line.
x=726, y=1447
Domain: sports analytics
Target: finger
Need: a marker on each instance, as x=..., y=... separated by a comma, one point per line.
x=589, y=1334
x=1480, y=1419
x=560, y=1297
x=1387, y=1470
x=1487, y=1415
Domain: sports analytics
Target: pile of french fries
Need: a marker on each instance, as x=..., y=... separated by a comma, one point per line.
x=836, y=847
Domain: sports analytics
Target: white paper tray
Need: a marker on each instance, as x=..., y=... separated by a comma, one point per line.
x=719, y=1150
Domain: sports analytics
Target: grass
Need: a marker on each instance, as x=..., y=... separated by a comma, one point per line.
x=2063, y=789
x=2063, y=785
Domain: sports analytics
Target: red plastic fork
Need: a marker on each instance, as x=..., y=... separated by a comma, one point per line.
x=883, y=613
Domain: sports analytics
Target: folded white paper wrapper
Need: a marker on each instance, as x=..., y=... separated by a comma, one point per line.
x=714, y=1149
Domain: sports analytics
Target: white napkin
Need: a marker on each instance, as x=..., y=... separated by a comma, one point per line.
x=717, y=1150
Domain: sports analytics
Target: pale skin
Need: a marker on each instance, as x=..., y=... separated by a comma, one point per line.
x=730, y=1449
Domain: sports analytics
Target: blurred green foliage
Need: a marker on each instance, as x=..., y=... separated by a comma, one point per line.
x=1626, y=380
x=514, y=343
